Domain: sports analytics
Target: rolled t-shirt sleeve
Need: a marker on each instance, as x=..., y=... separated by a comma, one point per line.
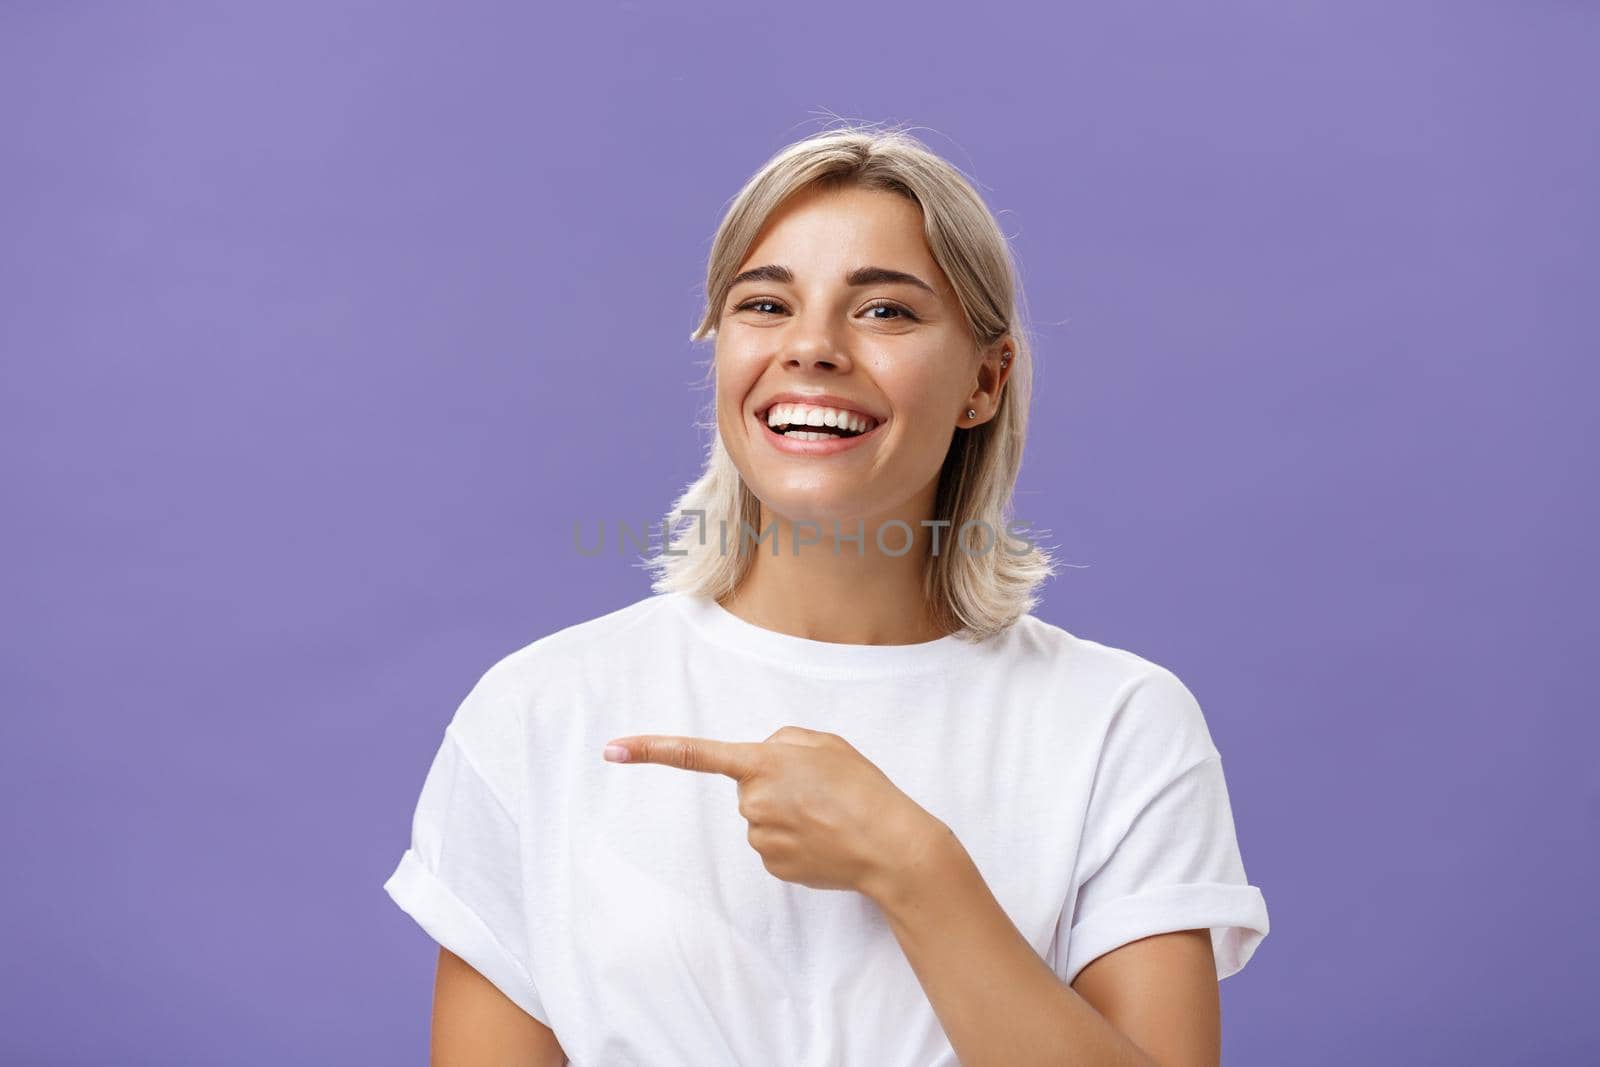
x=1159, y=850
x=461, y=876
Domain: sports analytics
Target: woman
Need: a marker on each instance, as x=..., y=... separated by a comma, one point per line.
x=832, y=794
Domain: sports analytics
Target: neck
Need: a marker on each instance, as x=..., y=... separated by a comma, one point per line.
x=843, y=592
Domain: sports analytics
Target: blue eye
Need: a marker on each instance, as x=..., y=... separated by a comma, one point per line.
x=900, y=312
x=755, y=303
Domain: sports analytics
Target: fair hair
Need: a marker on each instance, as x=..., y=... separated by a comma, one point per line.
x=972, y=593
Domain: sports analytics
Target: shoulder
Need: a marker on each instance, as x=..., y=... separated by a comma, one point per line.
x=493, y=720
x=1108, y=669
x=580, y=649
x=1130, y=699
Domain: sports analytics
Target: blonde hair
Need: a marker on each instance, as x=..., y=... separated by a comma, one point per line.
x=966, y=592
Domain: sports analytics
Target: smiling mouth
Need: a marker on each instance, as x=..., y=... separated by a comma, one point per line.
x=798, y=425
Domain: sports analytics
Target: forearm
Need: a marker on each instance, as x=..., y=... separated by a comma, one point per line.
x=997, y=1000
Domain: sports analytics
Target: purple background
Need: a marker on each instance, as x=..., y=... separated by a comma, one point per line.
x=322, y=323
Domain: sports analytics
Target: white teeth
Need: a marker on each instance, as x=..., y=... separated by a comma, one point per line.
x=807, y=415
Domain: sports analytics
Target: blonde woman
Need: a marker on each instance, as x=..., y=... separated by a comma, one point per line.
x=832, y=794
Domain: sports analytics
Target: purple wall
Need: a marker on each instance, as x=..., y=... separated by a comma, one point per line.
x=321, y=324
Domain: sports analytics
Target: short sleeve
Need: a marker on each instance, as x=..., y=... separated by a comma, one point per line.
x=1159, y=851
x=461, y=877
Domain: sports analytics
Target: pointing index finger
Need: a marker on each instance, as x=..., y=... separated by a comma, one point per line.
x=736, y=759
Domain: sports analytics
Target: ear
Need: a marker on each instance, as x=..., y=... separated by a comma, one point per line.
x=989, y=382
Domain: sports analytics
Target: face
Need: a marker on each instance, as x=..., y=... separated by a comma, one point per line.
x=889, y=347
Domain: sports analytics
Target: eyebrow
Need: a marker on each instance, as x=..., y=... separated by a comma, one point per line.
x=772, y=272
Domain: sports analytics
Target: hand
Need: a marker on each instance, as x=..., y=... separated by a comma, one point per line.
x=820, y=813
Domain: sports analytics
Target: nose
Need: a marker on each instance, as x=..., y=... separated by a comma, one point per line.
x=811, y=344
x=815, y=352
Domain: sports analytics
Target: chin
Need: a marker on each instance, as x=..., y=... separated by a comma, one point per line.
x=818, y=506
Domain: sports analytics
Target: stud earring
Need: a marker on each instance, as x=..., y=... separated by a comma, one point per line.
x=971, y=414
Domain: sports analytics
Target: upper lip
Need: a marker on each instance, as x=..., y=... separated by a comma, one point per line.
x=817, y=400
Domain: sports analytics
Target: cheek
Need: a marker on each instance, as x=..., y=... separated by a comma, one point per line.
x=736, y=381
x=926, y=408
x=736, y=375
x=923, y=445
x=922, y=400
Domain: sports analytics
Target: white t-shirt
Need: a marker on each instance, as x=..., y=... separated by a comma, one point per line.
x=622, y=905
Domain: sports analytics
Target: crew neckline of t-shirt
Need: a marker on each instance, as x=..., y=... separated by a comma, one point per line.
x=830, y=657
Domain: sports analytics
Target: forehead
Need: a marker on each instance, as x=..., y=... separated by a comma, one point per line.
x=820, y=234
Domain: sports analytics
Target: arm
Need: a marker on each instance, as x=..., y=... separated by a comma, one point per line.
x=1151, y=1003
x=476, y=1025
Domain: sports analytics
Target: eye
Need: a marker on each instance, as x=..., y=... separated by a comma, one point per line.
x=900, y=312
x=884, y=305
x=755, y=303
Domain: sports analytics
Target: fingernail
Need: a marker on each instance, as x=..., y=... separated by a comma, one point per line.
x=617, y=753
